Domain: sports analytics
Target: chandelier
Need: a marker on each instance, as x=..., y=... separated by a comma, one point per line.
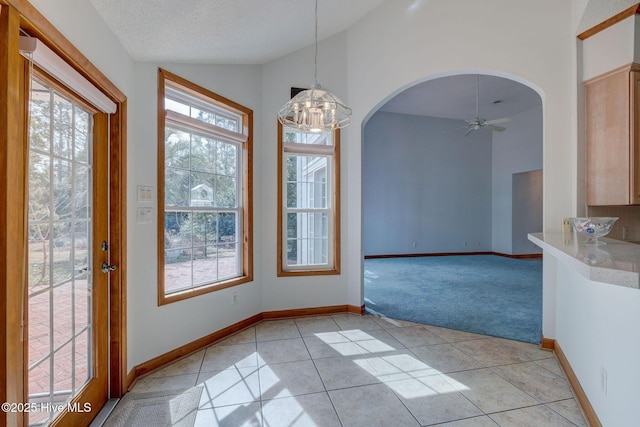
x=315, y=109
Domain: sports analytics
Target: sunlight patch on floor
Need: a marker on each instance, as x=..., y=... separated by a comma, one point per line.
x=403, y=373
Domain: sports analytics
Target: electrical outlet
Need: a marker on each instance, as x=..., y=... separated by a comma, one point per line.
x=603, y=380
x=566, y=225
x=234, y=298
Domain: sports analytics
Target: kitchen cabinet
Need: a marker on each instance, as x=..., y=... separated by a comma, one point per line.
x=613, y=137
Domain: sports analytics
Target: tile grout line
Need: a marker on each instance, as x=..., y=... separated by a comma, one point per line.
x=362, y=352
x=559, y=414
x=383, y=383
x=320, y=376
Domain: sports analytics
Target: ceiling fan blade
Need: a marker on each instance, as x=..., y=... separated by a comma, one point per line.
x=468, y=132
x=477, y=96
x=495, y=128
x=451, y=130
x=496, y=121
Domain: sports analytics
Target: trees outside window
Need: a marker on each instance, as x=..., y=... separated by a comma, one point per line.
x=204, y=186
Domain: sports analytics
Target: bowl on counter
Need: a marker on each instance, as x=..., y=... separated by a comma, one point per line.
x=593, y=228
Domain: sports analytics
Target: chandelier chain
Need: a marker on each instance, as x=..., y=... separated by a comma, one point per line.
x=315, y=109
x=315, y=60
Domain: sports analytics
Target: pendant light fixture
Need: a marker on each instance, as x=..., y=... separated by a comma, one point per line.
x=315, y=109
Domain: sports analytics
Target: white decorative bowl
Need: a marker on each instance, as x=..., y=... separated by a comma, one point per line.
x=593, y=228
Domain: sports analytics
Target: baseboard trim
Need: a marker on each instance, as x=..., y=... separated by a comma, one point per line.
x=547, y=343
x=312, y=311
x=356, y=310
x=516, y=256
x=190, y=348
x=197, y=345
x=581, y=396
x=131, y=380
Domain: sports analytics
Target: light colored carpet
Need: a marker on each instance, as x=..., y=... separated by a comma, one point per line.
x=158, y=409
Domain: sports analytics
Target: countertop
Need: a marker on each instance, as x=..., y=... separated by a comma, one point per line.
x=617, y=262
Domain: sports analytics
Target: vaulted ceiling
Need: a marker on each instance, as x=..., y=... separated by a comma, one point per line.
x=259, y=31
x=225, y=31
x=454, y=97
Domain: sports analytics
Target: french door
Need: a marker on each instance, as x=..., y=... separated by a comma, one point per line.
x=67, y=289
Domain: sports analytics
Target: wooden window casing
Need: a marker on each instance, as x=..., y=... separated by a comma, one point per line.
x=331, y=205
x=167, y=118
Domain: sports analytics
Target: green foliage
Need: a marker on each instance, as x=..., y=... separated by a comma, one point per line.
x=192, y=160
x=58, y=183
x=200, y=172
x=291, y=221
x=206, y=232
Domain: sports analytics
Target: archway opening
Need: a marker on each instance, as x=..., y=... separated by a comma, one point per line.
x=453, y=167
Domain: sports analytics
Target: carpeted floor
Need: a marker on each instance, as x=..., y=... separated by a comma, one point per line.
x=485, y=294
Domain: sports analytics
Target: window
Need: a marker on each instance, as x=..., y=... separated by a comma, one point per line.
x=204, y=185
x=308, y=202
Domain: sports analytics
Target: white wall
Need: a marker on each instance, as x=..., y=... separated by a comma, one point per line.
x=611, y=48
x=518, y=149
x=154, y=330
x=425, y=191
x=79, y=21
x=400, y=43
x=596, y=328
x=396, y=45
x=526, y=210
x=403, y=42
x=296, y=69
x=593, y=12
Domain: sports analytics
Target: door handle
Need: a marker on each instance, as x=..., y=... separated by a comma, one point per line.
x=106, y=268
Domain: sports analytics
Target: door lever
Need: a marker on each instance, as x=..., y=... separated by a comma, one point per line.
x=107, y=268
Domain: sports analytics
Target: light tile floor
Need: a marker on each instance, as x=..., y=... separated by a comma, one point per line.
x=348, y=370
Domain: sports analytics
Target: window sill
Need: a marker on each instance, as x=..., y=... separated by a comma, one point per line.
x=201, y=290
x=297, y=273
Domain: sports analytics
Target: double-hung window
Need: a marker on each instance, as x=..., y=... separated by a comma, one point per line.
x=204, y=190
x=308, y=202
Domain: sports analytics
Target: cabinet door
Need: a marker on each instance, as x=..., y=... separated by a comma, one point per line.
x=608, y=139
x=635, y=139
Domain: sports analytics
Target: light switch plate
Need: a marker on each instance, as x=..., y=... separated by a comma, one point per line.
x=145, y=215
x=145, y=194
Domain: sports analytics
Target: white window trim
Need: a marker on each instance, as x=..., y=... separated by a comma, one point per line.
x=209, y=130
x=329, y=210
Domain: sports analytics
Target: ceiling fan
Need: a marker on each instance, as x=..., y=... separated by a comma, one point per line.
x=480, y=123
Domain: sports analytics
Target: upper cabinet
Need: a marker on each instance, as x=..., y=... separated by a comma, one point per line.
x=611, y=70
x=613, y=134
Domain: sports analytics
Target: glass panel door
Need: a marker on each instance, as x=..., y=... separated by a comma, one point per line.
x=62, y=276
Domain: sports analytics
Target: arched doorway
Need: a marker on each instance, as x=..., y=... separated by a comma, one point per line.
x=441, y=177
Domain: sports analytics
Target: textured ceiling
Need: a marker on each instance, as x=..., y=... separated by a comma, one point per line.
x=224, y=31
x=454, y=97
x=259, y=31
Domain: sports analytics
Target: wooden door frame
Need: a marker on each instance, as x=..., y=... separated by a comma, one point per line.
x=17, y=15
